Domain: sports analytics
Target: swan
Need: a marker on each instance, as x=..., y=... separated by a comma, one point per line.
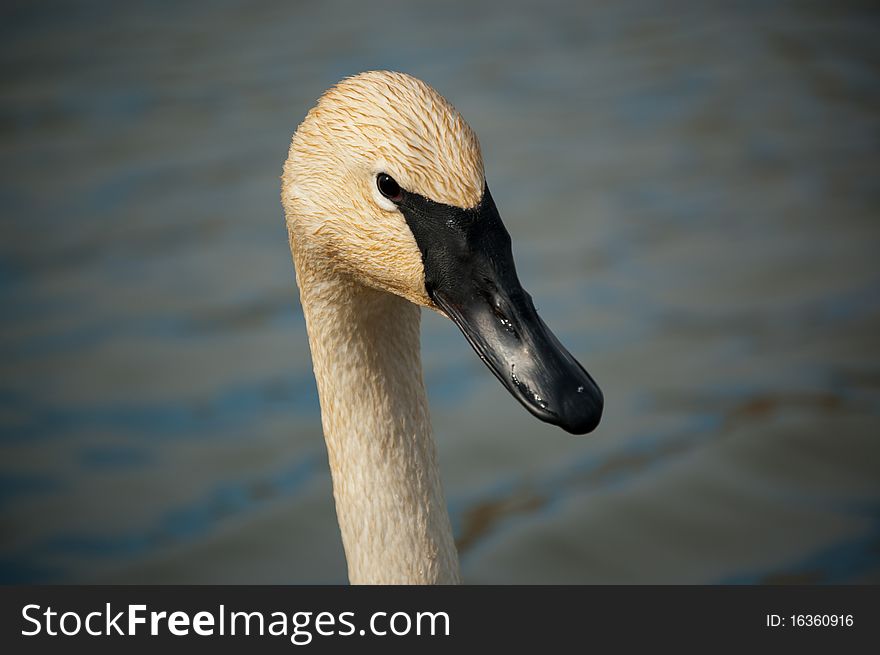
x=387, y=211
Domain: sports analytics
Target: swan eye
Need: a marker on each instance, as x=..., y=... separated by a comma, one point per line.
x=388, y=187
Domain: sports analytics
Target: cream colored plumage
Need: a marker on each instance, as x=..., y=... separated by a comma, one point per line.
x=361, y=280
x=388, y=210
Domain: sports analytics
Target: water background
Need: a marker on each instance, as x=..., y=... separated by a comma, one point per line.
x=693, y=196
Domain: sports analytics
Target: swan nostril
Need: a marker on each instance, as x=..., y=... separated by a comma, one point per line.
x=495, y=304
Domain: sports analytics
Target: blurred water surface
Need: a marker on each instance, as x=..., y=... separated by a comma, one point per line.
x=693, y=197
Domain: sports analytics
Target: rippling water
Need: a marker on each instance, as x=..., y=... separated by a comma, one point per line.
x=693, y=198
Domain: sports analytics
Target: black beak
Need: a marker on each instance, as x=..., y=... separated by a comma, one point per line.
x=470, y=274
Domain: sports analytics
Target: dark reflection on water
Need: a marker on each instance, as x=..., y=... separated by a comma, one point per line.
x=693, y=199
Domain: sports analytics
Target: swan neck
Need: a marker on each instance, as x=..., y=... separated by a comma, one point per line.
x=386, y=480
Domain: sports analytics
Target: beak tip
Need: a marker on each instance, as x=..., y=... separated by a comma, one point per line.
x=584, y=425
x=582, y=415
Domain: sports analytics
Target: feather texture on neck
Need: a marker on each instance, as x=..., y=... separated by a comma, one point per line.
x=386, y=480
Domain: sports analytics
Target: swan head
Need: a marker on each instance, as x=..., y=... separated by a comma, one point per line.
x=384, y=184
